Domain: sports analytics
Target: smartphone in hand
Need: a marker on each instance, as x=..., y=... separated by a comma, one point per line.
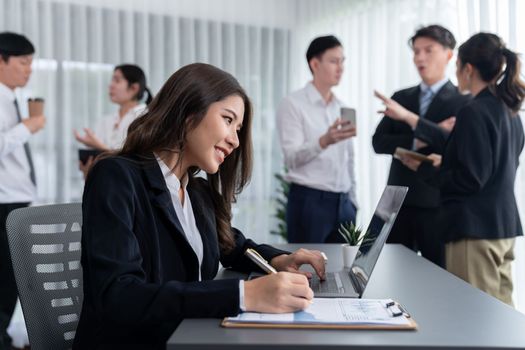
x=84, y=154
x=348, y=114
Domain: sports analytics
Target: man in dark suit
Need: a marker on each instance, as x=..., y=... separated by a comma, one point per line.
x=420, y=118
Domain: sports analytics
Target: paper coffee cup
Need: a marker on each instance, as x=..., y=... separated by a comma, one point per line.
x=35, y=106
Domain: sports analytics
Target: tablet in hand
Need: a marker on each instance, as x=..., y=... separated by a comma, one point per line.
x=84, y=154
x=403, y=152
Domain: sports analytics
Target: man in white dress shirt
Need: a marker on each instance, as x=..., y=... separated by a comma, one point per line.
x=318, y=151
x=17, y=176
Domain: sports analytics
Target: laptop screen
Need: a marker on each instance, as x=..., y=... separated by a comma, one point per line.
x=376, y=235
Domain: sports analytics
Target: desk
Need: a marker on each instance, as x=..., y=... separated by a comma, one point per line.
x=450, y=314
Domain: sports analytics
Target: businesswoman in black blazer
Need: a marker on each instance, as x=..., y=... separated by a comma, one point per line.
x=480, y=218
x=153, y=232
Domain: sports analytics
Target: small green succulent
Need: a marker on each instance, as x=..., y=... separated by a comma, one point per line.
x=352, y=234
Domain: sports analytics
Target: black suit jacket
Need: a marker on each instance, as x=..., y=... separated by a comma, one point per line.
x=140, y=273
x=391, y=134
x=478, y=172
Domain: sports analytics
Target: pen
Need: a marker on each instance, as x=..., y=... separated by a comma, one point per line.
x=259, y=261
x=324, y=257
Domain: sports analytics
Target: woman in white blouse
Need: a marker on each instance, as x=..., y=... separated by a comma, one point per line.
x=127, y=89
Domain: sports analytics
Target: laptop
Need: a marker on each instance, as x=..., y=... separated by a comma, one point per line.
x=351, y=282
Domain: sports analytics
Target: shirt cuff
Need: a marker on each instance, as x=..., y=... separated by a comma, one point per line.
x=317, y=148
x=241, y=296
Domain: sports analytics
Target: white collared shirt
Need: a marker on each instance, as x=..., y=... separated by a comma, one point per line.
x=15, y=182
x=187, y=219
x=434, y=87
x=302, y=118
x=112, y=130
x=184, y=211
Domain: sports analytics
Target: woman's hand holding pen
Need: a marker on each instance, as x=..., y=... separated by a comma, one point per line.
x=277, y=293
x=292, y=262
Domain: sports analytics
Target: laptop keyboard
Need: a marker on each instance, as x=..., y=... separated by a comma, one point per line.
x=332, y=284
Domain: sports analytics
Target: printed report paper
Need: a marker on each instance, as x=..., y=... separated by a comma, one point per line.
x=335, y=311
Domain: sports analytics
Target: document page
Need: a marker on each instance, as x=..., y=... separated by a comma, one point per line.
x=335, y=311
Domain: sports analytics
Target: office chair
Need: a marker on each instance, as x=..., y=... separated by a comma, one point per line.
x=45, y=251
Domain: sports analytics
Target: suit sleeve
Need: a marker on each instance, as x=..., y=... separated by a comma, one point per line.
x=113, y=276
x=388, y=137
x=432, y=134
x=470, y=150
x=235, y=258
x=238, y=261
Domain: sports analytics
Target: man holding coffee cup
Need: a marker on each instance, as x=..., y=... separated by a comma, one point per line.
x=17, y=184
x=315, y=132
x=35, y=106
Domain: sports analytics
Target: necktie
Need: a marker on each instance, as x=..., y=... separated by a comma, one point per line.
x=27, y=149
x=424, y=101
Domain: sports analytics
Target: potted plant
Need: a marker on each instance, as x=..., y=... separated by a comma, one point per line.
x=283, y=189
x=353, y=236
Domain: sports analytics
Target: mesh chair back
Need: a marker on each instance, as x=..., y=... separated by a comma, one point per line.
x=45, y=251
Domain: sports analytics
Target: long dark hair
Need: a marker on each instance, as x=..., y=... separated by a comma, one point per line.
x=135, y=75
x=178, y=108
x=487, y=52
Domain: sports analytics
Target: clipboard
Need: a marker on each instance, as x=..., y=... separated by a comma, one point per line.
x=339, y=313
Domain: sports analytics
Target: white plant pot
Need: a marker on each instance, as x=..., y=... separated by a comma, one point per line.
x=349, y=253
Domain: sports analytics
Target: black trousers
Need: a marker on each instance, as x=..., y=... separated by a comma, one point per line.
x=8, y=290
x=418, y=229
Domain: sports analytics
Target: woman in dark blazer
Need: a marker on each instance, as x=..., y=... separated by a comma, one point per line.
x=479, y=214
x=153, y=232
